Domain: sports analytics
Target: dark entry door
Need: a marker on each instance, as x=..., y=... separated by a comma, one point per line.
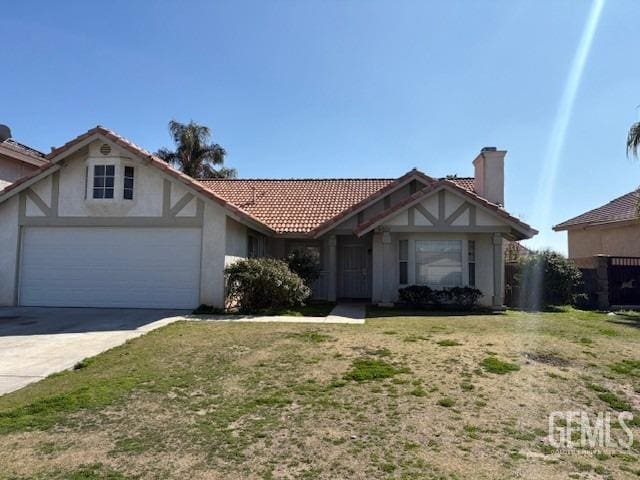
x=355, y=271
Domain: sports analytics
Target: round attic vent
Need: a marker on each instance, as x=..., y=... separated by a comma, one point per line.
x=105, y=149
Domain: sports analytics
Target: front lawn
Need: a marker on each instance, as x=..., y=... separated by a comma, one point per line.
x=435, y=397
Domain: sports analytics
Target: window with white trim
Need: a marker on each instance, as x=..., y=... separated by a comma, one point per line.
x=127, y=192
x=103, y=181
x=439, y=263
x=403, y=261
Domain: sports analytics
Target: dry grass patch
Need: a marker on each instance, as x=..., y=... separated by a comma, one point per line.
x=236, y=401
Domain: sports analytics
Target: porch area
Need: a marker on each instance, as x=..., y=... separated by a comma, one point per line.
x=372, y=268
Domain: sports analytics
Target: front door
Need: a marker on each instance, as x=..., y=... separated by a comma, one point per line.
x=354, y=271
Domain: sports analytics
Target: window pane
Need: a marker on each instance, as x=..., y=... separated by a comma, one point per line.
x=98, y=182
x=108, y=182
x=110, y=170
x=403, y=253
x=128, y=172
x=404, y=273
x=108, y=193
x=472, y=274
x=98, y=170
x=98, y=193
x=439, y=263
x=128, y=183
x=128, y=194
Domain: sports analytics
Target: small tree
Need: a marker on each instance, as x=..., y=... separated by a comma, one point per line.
x=306, y=263
x=547, y=278
x=264, y=283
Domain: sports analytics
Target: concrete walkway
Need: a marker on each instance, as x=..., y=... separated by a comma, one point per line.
x=348, y=313
x=344, y=313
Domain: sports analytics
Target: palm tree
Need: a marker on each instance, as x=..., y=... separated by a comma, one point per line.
x=633, y=139
x=194, y=155
x=633, y=145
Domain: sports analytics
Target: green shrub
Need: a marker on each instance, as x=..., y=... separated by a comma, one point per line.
x=306, y=263
x=263, y=283
x=454, y=298
x=548, y=278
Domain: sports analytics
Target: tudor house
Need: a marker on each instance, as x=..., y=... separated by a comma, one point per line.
x=105, y=223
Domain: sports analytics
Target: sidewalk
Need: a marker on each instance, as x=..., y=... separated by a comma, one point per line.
x=343, y=313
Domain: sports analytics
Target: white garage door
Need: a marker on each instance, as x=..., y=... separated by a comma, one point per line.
x=110, y=267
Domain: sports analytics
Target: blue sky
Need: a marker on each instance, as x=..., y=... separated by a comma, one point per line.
x=339, y=88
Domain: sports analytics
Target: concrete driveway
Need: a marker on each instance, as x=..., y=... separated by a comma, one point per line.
x=36, y=342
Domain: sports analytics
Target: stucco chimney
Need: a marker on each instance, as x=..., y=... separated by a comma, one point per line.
x=489, y=174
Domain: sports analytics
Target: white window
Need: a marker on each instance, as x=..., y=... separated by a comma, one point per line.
x=403, y=261
x=439, y=263
x=472, y=262
x=127, y=192
x=103, y=181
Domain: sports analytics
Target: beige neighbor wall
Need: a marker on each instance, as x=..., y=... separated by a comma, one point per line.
x=11, y=170
x=616, y=241
x=154, y=192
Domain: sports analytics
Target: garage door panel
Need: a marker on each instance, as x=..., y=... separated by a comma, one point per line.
x=110, y=267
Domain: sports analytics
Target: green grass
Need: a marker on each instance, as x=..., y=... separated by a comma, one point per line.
x=614, y=401
x=627, y=367
x=85, y=472
x=253, y=400
x=366, y=369
x=448, y=343
x=446, y=402
x=311, y=337
x=494, y=365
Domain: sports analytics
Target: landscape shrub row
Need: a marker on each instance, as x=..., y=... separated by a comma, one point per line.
x=457, y=298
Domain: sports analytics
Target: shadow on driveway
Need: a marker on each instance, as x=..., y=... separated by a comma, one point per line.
x=19, y=321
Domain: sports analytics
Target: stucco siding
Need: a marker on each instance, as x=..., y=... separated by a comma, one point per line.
x=8, y=254
x=618, y=241
x=159, y=201
x=236, y=241
x=75, y=178
x=213, y=256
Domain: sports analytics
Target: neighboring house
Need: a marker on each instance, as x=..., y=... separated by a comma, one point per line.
x=106, y=224
x=16, y=159
x=612, y=229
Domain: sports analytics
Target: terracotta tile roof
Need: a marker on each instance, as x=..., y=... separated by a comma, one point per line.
x=296, y=205
x=283, y=205
x=464, y=182
x=621, y=209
